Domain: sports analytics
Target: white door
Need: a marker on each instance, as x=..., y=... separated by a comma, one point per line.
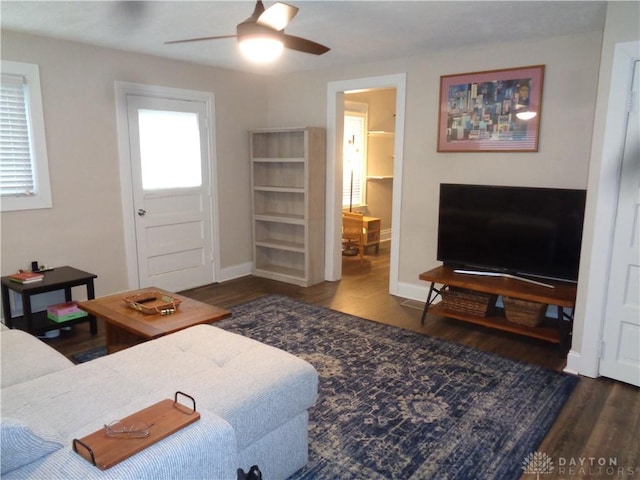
x=620, y=357
x=169, y=150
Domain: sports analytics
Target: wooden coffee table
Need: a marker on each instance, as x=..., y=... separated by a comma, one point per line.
x=125, y=326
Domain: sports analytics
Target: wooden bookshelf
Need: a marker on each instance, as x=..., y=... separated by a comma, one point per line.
x=287, y=173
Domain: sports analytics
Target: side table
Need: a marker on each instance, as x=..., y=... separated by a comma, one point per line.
x=372, y=232
x=57, y=279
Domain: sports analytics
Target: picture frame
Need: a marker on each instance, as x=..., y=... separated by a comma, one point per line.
x=491, y=111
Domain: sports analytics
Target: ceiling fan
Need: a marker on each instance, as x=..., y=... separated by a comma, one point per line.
x=266, y=27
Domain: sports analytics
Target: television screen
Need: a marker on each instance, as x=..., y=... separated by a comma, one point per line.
x=515, y=230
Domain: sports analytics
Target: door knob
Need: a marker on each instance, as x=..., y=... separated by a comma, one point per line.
x=142, y=212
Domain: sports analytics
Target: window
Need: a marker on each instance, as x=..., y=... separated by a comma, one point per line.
x=169, y=149
x=24, y=170
x=354, y=156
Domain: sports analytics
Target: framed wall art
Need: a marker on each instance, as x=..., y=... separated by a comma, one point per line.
x=491, y=111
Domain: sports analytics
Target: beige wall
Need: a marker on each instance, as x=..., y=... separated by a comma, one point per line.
x=85, y=226
x=78, y=92
x=569, y=95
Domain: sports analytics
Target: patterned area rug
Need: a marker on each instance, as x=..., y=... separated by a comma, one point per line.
x=394, y=404
x=89, y=355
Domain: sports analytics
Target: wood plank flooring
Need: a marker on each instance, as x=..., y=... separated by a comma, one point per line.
x=601, y=420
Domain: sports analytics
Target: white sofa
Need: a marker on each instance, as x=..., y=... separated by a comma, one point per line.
x=252, y=398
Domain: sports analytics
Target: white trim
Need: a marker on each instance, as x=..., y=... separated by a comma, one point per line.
x=412, y=291
x=602, y=199
x=335, y=91
x=123, y=89
x=573, y=363
x=39, y=141
x=235, y=271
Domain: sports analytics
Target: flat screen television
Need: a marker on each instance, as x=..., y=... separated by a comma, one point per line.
x=513, y=230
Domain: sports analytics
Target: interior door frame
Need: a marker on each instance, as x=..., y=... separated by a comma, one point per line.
x=335, y=116
x=122, y=89
x=602, y=199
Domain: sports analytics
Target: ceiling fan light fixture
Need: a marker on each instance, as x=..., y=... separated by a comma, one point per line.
x=261, y=49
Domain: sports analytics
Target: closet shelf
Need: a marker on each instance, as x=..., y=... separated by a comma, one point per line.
x=380, y=133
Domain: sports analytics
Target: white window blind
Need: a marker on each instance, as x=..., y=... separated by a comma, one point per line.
x=354, y=160
x=16, y=168
x=24, y=168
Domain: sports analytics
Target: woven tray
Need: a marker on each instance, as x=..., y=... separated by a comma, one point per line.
x=467, y=301
x=524, y=312
x=153, y=303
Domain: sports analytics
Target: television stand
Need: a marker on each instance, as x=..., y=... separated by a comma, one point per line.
x=562, y=295
x=504, y=275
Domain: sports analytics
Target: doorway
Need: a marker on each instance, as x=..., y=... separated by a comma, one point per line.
x=167, y=173
x=337, y=91
x=371, y=191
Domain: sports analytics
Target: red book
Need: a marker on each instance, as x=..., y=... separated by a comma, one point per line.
x=26, y=277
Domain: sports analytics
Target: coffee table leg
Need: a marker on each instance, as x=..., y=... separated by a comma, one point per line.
x=110, y=335
x=118, y=339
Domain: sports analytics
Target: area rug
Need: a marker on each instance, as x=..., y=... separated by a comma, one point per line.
x=89, y=354
x=394, y=404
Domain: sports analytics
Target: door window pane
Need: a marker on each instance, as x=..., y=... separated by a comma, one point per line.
x=169, y=149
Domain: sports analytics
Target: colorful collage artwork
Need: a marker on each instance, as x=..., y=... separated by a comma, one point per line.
x=491, y=111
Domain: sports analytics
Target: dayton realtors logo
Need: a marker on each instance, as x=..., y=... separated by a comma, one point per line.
x=539, y=463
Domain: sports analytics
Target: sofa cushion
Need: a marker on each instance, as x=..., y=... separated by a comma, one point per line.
x=23, y=444
x=24, y=358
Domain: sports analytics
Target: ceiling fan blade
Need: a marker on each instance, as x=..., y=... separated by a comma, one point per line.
x=304, y=45
x=277, y=16
x=200, y=39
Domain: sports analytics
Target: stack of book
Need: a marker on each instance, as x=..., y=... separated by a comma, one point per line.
x=63, y=312
x=26, y=277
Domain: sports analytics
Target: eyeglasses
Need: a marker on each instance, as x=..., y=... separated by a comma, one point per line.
x=118, y=429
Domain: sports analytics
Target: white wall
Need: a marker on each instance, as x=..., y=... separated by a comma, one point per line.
x=85, y=226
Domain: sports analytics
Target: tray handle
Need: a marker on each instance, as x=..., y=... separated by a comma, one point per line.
x=77, y=442
x=178, y=404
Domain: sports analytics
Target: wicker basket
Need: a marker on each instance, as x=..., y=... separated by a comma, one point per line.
x=524, y=312
x=467, y=301
x=152, y=303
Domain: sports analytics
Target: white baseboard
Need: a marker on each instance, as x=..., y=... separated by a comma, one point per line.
x=412, y=291
x=573, y=363
x=578, y=364
x=236, y=271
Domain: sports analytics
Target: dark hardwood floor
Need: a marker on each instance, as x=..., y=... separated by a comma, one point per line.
x=600, y=422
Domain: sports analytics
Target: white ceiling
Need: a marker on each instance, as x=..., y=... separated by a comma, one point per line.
x=356, y=31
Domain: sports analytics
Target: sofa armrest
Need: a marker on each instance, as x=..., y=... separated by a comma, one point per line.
x=205, y=449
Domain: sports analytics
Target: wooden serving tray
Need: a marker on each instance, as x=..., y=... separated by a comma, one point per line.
x=165, y=417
